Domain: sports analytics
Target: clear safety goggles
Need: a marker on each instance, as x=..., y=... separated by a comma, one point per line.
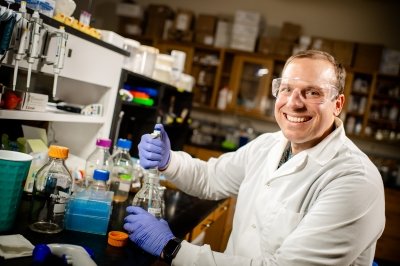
x=283, y=88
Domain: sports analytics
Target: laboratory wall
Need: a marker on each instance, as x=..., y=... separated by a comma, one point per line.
x=369, y=21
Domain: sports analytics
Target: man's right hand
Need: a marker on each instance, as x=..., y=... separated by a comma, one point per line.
x=154, y=152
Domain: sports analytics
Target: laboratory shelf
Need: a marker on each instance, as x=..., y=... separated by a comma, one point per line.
x=50, y=116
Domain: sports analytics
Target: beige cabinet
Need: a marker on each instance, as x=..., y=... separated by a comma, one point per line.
x=250, y=84
x=388, y=245
x=214, y=230
x=372, y=108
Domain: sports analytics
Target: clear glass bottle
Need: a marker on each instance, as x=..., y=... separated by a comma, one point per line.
x=98, y=159
x=51, y=191
x=149, y=196
x=121, y=175
x=98, y=187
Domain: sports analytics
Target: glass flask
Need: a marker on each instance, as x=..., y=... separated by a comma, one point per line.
x=149, y=196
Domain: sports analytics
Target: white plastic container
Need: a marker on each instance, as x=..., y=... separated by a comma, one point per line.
x=112, y=38
x=148, y=55
x=163, y=68
x=132, y=62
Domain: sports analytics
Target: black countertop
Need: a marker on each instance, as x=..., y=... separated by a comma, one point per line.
x=183, y=213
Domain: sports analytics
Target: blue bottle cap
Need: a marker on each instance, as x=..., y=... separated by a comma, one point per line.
x=99, y=174
x=124, y=143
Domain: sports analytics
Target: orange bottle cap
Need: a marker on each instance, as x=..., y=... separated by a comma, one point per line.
x=117, y=238
x=59, y=152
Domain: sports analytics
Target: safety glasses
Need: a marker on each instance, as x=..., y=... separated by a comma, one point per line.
x=283, y=88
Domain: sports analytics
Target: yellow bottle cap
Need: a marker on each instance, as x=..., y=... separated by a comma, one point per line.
x=59, y=152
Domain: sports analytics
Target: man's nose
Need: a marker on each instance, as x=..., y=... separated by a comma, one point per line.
x=295, y=99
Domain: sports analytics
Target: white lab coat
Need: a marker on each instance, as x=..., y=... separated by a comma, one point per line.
x=325, y=206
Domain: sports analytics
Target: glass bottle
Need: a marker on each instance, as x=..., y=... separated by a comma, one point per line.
x=149, y=196
x=98, y=159
x=51, y=191
x=121, y=175
x=98, y=187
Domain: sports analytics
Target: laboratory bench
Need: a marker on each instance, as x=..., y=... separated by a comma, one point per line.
x=183, y=213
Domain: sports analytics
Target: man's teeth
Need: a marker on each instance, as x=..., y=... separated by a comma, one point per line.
x=296, y=119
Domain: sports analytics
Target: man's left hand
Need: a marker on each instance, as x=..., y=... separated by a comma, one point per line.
x=146, y=231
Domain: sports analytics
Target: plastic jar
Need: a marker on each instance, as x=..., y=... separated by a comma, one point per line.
x=133, y=61
x=148, y=57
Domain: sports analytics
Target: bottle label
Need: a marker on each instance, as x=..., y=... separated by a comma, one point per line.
x=155, y=211
x=59, y=202
x=124, y=186
x=62, y=180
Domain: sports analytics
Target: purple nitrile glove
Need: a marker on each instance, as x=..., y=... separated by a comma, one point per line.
x=154, y=152
x=147, y=231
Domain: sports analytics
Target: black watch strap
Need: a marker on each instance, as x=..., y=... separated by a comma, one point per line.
x=171, y=249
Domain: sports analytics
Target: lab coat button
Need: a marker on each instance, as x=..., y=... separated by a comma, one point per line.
x=254, y=226
x=268, y=184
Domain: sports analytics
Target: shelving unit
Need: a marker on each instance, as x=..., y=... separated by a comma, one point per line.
x=171, y=107
x=91, y=74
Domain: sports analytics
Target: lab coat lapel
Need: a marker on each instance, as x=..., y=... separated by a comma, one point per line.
x=275, y=154
x=294, y=164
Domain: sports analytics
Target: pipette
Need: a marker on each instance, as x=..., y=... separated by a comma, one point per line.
x=33, y=53
x=21, y=39
x=60, y=55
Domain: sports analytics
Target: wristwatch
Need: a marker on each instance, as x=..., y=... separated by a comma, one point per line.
x=171, y=249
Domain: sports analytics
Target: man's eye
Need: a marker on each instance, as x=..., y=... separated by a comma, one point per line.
x=312, y=92
x=284, y=89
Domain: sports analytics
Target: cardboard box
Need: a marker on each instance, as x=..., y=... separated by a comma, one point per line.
x=129, y=10
x=290, y=31
x=343, y=52
x=283, y=48
x=183, y=20
x=266, y=45
x=367, y=57
x=204, y=38
x=206, y=24
x=223, y=33
x=390, y=62
x=247, y=18
x=157, y=15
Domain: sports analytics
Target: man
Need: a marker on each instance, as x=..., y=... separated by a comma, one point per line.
x=306, y=195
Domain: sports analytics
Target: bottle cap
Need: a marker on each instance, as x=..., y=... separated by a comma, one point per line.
x=106, y=143
x=124, y=143
x=117, y=238
x=125, y=177
x=100, y=174
x=59, y=152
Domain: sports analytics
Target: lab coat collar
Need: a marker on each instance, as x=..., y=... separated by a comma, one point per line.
x=322, y=153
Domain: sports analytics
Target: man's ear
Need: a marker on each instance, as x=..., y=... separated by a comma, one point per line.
x=339, y=103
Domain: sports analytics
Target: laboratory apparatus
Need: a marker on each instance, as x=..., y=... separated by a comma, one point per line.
x=98, y=159
x=51, y=192
x=121, y=175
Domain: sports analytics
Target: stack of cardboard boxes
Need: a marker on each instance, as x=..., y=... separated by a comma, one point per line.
x=283, y=45
x=246, y=26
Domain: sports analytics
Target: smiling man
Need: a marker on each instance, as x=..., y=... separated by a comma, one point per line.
x=306, y=195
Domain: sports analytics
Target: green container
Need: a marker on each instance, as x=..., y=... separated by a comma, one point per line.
x=14, y=167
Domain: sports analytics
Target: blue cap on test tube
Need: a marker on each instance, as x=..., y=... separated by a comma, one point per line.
x=100, y=174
